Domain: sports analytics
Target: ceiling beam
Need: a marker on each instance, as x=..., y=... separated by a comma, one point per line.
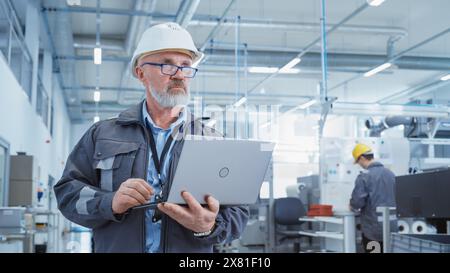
x=186, y=12
x=311, y=59
x=111, y=11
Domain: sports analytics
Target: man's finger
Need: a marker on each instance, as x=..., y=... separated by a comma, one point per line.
x=141, y=189
x=134, y=194
x=146, y=185
x=213, y=204
x=137, y=182
x=191, y=201
x=131, y=200
x=173, y=210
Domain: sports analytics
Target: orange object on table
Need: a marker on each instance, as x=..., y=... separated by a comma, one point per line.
x=320, y=210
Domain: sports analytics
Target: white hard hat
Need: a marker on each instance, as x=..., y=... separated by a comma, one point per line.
x=165, y=37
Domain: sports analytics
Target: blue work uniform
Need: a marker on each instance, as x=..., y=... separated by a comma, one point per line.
x=373, y=188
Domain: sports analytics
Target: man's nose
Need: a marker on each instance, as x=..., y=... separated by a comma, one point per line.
x=179, y=75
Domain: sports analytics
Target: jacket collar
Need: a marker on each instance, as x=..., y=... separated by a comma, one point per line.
x=375, y=164
x=133, y=115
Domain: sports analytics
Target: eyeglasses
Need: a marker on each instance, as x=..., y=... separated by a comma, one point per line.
x=171, y=69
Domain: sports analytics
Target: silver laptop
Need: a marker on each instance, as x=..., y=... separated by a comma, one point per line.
x=231, y=171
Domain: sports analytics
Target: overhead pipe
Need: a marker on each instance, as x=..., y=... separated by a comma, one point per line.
x=186, y=12
x=217, y=26
x=136, y=28
x=208, y=20
x=389, y=122
x=345, y=60
x=132, y=28
x=109, y=11
x=296, y=26
x=309, y=60
x=313, y=43
x=54, y=52
x=396, y=57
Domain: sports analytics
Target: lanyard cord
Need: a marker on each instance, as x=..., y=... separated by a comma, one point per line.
x=159, y=161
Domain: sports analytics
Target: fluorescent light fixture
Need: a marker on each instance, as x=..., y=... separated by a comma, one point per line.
x=97, y=96
x=96, y=119
x=375, y=3
x=270, y=70
x=445, y=78
x=262, y=69
x=97, y=55
x=73, y=2
x=211, y=123
x=289, y=71
x=240, y=102
x=377, y=69
x=290, y=64
x=264, y=125
x=307, y=104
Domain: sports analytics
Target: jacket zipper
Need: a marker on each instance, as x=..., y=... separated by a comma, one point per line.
x=165, y=224
x=146, y=180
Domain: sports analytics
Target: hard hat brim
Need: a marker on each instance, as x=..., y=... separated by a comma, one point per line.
x=366, y=153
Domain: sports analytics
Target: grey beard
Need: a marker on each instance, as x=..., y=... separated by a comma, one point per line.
x=166, y=100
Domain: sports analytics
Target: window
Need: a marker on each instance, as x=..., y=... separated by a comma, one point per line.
x=52, y=110
x=42, y=103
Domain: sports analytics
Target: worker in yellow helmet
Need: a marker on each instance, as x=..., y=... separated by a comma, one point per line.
x=373, y=188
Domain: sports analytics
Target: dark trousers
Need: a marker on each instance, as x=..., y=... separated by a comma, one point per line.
x=371, y=246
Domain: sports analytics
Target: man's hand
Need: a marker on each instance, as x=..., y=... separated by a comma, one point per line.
x=194, y=217
x=133, y=192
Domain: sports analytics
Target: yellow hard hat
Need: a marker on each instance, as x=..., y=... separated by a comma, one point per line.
x=359, y=150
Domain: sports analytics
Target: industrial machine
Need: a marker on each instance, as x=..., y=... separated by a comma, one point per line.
x=23, y=185
x=339, y=171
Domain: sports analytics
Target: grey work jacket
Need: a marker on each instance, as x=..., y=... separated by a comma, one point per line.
x=374, y=188
x=109, y=153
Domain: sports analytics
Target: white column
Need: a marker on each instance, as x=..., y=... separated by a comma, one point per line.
x=349, y=231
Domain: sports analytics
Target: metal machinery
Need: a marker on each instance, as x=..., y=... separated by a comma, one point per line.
x=27, y=225
x=425, y=147
x=16, y=233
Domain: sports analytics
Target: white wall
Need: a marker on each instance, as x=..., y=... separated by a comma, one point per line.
x=25, y=130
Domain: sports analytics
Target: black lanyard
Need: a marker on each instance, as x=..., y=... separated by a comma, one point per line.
x=159, y=161
x=158, y=166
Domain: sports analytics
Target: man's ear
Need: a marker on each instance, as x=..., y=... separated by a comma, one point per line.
x=140, y=73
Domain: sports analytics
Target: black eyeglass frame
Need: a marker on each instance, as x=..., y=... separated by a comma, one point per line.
x=172, y=65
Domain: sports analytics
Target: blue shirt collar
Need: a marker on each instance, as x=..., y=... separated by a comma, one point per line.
x=147, y=118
